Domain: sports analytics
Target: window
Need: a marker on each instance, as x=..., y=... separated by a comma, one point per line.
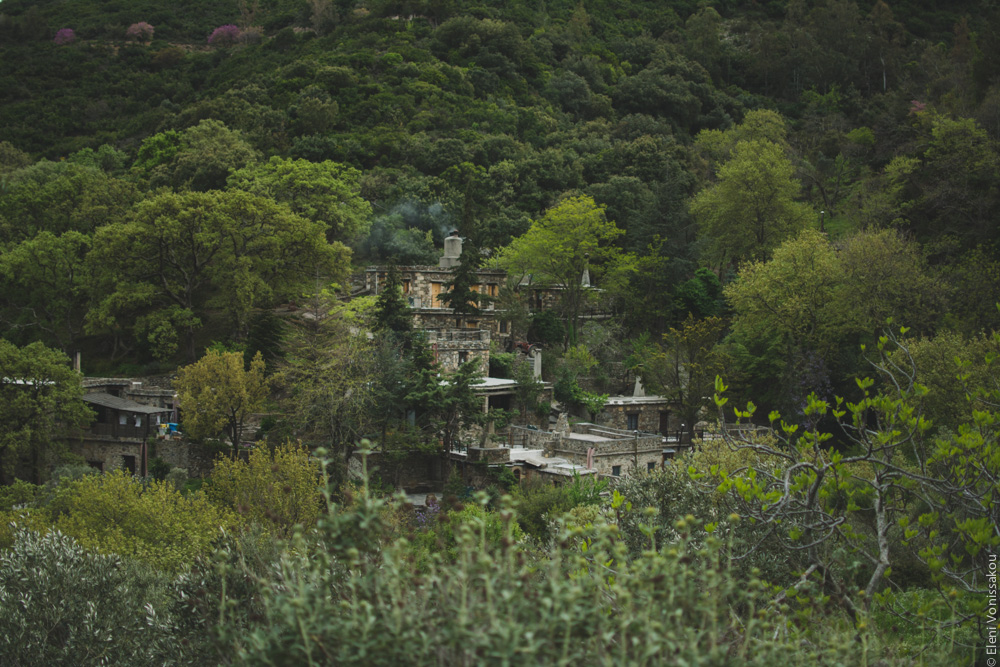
x=616, y=471
x=406, y=286
x=503, y=326
x=651, y=466
x=463, y=356
x=128, y=463
x=632, y=421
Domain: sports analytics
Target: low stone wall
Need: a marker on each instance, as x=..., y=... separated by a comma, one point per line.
x=489, y=455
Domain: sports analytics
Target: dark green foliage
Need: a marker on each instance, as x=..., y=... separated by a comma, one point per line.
x=546, y=328
x=158, y=468
x=460, y=295
x=392, y=314
x=266, y=334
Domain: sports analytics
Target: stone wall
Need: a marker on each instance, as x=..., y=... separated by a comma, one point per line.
x=623, y=454
x=110, y=453
x=489, y=454
x=616, y=416
x=450, y=346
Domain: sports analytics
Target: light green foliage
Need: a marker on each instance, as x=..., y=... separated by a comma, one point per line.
x=494, y=528
x=886, y=277
x=332, y=371
x=893, y=481
x=593, y=402
x=490, y=601
x=958, y=525
x=799, y=295
x=571, y=236
x=18, y=493
x=217, y=394
x=115, y=514
x=279, y=489
x=61, y=604
x=752, y=207
x=39, y=402
x=940, y=361
x=764, y=125
x=326, y=192
x=539, y=504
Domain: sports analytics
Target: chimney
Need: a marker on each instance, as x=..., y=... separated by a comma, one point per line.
x=452, y=251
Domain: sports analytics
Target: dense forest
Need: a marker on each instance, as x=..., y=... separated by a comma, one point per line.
x=790, y=213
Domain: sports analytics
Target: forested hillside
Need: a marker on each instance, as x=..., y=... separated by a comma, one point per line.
x=876, y=120
x=789, y=195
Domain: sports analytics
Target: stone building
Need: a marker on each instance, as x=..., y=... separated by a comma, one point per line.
x=608, y=451
x=135, y=421
x=423, y=287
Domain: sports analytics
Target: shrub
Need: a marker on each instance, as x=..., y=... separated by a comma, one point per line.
x=279, y=489
x=224, y=35
x=587, y=602
x=62, y=605
x=141, y=31
x=65, y=36
x=158, y=468
x=113, y=513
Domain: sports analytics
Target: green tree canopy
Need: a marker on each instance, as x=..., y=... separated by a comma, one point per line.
x=752, y=207
x=198, y=158
x=187, y=252
x=44, y=287
x=39, y=402
x=218, y=394
x=326, y=192
x=572, y=237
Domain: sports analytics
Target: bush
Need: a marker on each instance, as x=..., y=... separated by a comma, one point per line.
x=586, y=602
x=65, y=36
x=141, y=31
x=279, y=489
x=158, y=468
x=62, y=605
x=224, y=35
x=114, y=513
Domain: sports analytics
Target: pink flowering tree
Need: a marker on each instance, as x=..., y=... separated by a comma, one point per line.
x=224, y=35
x=140, y=32
x=65, y=36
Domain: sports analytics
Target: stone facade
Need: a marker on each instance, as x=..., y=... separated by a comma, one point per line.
x=615, y=452
x=489, y=454
x=106, y=453
x=423, y=287
x=650, y=414
x=453, y=347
